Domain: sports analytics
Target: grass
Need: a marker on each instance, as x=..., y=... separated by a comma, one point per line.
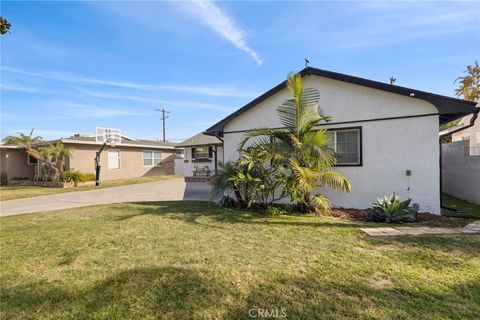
x=461, y=205
x=191, y=260
x=19, y=192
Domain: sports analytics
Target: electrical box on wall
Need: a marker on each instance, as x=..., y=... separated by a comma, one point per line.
x=408, y=173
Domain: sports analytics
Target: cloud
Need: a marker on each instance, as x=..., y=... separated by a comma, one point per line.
x=219, y=21
x=214, y=91
x=183, y=104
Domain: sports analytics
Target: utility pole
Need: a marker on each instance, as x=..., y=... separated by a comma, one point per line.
x=164, y=116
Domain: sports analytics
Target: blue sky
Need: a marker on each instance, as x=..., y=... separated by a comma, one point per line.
x=67, y=67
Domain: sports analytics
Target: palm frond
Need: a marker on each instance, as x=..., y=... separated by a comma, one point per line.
x=322, y=203
x=335, y=180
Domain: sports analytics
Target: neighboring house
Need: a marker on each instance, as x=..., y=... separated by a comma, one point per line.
x=202, y=154
x=387, y=135
x=461, y=161
x=129, y=159
x=472, y=134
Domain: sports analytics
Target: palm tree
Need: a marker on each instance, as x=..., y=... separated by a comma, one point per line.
x=301, y=149
x=56, y=152
x=469, y=85
x=28, y=142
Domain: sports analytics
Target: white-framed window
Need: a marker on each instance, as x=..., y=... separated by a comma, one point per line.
x=113, y=159
x=31, y=160
x=202, y=152
x=152, y=158
x=347, y=143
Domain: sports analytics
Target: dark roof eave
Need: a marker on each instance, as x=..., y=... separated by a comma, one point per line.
x=449, y=108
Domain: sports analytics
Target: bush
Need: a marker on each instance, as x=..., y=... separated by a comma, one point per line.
x=389, y=209
x=88, y=177
x=72, y=177
x=275, y=211
x=76, y=176
x=4, y=179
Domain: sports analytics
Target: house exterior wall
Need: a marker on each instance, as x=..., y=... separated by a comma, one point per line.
x=472, y=134
x=389, y=147
x=131, y=162
x=190, y=163
x=460, y=171
x=16, y=164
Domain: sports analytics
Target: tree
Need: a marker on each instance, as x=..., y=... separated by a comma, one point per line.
x=301, y=149
x=469, y=84
x=468, y=89
x=56, y=152
x=4, y=25
x=28, y=142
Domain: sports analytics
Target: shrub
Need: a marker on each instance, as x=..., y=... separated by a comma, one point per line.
x=21, y=178
x=227, y=202
x=76, y=176
x=87, y=177
x=275, y=211
x=72, y=177
x=389, y=209
x=4, y=179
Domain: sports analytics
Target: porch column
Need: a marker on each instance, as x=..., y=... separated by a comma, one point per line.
x=215, y=159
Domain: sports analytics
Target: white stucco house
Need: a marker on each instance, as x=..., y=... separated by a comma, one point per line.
x=387, y=135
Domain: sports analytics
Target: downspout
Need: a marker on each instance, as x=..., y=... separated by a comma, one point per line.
x=471, y=124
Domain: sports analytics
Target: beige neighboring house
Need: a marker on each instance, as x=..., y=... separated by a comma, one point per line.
x=202, y=154
x=130, y=159
x=472, y=134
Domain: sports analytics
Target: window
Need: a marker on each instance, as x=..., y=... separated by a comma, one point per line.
x=152, y=158
x=202, y=152
x=31, y=160
x=113, y=159
x=347, y=146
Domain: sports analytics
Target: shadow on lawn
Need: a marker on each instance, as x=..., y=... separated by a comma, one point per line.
x=191, y=211
x=188, y=293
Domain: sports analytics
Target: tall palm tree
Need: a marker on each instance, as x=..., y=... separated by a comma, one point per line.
x=469, y=85
x=56, y=152
x=301, y=149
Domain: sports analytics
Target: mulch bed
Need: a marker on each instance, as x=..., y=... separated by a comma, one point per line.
x=361, y=214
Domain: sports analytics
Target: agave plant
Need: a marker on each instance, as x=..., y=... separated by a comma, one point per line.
x=389, y=209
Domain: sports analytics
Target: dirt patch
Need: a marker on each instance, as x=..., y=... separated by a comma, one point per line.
x=355, y=214
x=361, y=214
x=427, y=217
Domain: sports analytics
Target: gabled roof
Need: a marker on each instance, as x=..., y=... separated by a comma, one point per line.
x=448, y=108
x=200, y=139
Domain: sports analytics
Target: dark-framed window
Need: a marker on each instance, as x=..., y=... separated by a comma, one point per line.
x=31, y=160
x=347, y=143
x=204, y=152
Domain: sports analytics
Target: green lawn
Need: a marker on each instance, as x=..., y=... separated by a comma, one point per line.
x=190, y=260
x=461, y=205
x=18, y=192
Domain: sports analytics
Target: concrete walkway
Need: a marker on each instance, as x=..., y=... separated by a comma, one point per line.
x=164, y=190
x=473, y=227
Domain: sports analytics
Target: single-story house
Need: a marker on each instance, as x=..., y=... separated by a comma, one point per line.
x=472, y=133
x=202, y=154
x=129, y=159
x=387, y=135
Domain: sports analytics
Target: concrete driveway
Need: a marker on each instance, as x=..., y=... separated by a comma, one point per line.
x=165, y=190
